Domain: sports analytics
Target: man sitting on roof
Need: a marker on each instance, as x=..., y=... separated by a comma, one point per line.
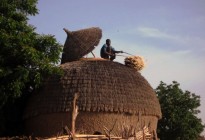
x=107, y=51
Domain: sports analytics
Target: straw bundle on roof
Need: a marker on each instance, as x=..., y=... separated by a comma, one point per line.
x=136, y=62
x=80, y=43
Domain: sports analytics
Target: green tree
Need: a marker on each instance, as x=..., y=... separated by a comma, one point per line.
x=26, y=57
x=179, y=110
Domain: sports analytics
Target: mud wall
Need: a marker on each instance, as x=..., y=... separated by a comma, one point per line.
x=87, y=122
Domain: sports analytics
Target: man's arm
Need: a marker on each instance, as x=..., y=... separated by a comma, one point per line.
x=114, y=51
x=118, y=51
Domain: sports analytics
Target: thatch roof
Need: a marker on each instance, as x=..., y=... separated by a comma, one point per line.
x=79, y=43
x=103, y=86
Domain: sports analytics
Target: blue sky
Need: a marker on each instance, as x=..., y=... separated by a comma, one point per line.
x=169, y=34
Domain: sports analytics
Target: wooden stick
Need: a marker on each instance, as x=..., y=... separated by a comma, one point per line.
x=74, y=114
x=93, y=54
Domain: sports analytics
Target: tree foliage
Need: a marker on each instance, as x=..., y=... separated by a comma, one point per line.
x=26, y=57
x=179, y=110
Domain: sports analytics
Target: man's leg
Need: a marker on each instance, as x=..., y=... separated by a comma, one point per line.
x=112, y=57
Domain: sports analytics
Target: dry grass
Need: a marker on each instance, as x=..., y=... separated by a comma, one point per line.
x=136, y=62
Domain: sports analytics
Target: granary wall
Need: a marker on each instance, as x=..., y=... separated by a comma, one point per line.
x=87, y=123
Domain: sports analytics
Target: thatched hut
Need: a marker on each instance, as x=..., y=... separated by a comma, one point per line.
x=110, y=94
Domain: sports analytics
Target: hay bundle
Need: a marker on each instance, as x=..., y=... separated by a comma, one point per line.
x=136, y=62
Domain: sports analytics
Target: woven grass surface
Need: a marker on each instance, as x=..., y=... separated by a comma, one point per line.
x=80, y=43
x=103, y=86
x=93, y=59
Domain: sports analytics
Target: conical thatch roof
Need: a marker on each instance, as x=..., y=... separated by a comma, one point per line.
x=80, y=43
x=103, y=86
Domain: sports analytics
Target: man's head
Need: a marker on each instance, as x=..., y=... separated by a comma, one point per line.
x=108, y=42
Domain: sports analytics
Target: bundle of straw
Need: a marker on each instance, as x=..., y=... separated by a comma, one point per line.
x=136, y=62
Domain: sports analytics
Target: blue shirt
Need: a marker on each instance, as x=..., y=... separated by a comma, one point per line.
x=105, y=51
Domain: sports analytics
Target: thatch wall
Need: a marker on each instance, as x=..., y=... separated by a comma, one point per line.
x=104, y=87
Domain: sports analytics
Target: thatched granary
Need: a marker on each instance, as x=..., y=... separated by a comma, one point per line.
x=109, y=93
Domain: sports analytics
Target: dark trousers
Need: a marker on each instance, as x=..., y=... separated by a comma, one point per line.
x=112, y=57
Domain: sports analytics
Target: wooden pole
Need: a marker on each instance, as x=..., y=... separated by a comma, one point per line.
x=74, y=114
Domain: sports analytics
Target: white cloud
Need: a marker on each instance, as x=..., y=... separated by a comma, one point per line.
x=178, y=41
x=154, y=32
x=181, y=41
x=182, y=52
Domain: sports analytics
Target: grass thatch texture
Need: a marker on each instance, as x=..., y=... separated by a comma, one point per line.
x=103, y=86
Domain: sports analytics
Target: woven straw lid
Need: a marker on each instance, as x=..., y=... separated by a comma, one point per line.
x=80, y=43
